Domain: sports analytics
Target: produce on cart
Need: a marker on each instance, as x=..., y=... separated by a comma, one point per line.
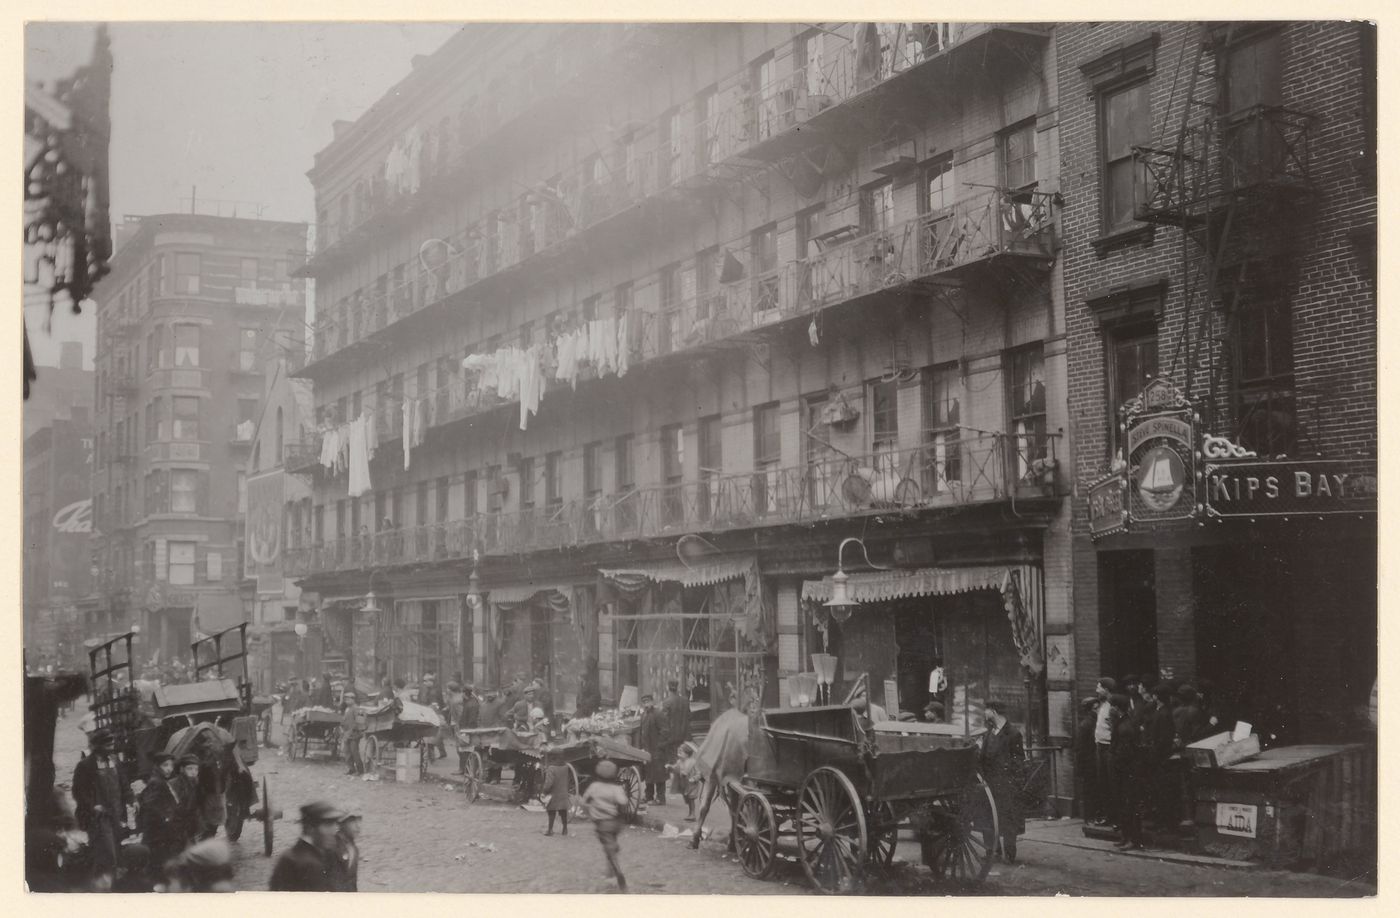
x=821, y=788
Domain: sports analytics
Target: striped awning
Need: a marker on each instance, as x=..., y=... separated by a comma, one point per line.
x=1021, y=587
x=520, y=592
x=706, y=573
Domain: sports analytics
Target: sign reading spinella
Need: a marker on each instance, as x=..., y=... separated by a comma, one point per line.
x=1159, y=432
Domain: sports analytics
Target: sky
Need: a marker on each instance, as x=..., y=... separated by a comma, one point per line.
x=234, y=110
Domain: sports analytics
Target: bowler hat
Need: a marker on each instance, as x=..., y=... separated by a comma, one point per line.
x=321, y=811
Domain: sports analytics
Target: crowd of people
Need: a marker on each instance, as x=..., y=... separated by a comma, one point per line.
x=1128, y=753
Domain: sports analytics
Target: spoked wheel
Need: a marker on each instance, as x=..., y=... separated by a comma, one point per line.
x=293, y=739
x=962, y=835
x=882, y=824
x=831, y=839
x=473, y=770
x=631, y=780
x=541, y=791
x=756, y=831
x=369, y=753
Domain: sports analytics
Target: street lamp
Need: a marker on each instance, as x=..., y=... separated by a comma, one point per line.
x=372, y=603
x=474, y=584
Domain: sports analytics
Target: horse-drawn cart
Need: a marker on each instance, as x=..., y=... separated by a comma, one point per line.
x=820, y=788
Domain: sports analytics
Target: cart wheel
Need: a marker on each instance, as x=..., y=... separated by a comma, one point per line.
x=292, y=739
x=268, y=818
x=472, y=777
x=831, y=839
x=882, y=823
x=369, y=753
x=756, y=832
x=631, y=780
x=574, y=790
x=962, y=835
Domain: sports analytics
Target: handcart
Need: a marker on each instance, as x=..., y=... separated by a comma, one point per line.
x=820, y=788
x=313, y=728
x=394, y=724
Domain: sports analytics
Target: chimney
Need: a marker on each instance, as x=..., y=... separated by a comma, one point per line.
x=70, y=355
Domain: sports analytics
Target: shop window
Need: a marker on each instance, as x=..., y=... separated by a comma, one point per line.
x=1018, y=156
x=942, y=404
x=186, y=417
x=187, y=270
x=186, y=345
x=1125, y=121
x=1132, y=364
x=180, y=563
x=1027, y=407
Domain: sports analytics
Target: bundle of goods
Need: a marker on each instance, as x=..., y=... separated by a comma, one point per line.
x=612, y=722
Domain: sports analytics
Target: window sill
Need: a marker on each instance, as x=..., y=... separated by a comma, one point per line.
x=1141, y=234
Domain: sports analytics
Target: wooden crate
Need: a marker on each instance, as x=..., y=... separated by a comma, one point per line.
x=1219, y=751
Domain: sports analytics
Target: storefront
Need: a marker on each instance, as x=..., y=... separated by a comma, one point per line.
x=420, y=636
x=546, y=632
x=982, y=626
x=709, y=626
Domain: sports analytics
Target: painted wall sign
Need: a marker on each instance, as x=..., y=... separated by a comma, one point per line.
x=1289, y=487
x=1108, y=510
x=74, y=518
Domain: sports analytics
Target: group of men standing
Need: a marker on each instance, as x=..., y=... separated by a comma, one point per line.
x=1128, y=743
x=660, y=734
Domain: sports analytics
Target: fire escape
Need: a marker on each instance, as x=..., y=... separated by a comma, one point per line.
x=1235, y=179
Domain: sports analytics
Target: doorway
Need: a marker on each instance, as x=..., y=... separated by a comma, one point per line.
x=1127, y=613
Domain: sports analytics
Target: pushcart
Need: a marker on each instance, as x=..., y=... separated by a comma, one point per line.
x=486, y=750
x=394, y=724
x=315, y=729
x=820, y=788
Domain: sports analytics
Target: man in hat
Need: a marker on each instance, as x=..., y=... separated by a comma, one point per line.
x=205, y=867
x=520, y=711
x=101, y=793
x=185, y=788
x=471, y=708
x=675, y=714
x=350, y=735
x=348, y=878
x=652, y=737
x=1105, y=719
x=160, y=814
x=312, y=864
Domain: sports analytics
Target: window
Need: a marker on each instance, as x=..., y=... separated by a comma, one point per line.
x=939, y=191
x=184, y=486
x=706, y=113
x=767, y=454
x=281, y=437
x=672, y=472
x=443, y=496
x=1264, y=358
x=158, y=286
x=420, y=509
x=823, y=471
x=187, y=269
x=1125, y=119
x=553, y=481
x=1132, y=362
x=186, y=345
x=877, y=207
x=764, y=249
x=527, y=483
x=242, y=484
x=942, y=401
x=152, y=413
x=1254, y=149
x=152, y=351
x=1018, y=156
x=469, y=499
x=884, y=416
x=761, y=77
x=710, y=436
x=180, y=563
x=493, y=490
x=592, y=470
x=248, y=272
x=625, y=481
x=248, y=349
x=247, y=410
x=1028, y=407
x=186, y=417
x=809, y=60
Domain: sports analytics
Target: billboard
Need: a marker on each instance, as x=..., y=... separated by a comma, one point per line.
x=263, y=541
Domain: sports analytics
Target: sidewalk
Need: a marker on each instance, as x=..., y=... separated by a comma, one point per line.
x=1069, y=833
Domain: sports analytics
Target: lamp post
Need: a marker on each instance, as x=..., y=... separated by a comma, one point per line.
x=300, y=629
x=839, y=607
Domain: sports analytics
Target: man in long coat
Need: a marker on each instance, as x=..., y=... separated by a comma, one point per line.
x=1002, y=758
x=652, y=737
x=101, y=793
x=314, y=863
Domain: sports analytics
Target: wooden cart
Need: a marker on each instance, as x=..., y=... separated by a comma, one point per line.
x=821, y=789
x=313, y=729
x=486, y=750
x=392, y=724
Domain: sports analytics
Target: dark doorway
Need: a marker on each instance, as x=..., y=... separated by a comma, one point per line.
x=1127, y=613
x=918, y=635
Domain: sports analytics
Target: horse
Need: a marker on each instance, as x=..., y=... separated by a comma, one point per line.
x=721, y=761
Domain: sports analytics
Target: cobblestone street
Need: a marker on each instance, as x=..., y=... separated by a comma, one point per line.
x=425, y=838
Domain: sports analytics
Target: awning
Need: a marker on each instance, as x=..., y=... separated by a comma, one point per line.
x=1021, y=587
x=525, y=591
x=704, y=573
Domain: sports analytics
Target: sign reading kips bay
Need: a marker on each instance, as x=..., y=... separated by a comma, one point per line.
x=1289, y=487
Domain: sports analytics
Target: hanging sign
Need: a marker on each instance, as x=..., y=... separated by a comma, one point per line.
x=1108, y=506
x=1159, y=433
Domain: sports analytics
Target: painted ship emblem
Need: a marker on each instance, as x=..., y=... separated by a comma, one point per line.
x=1161, y=478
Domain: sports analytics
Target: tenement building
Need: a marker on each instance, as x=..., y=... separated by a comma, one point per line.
x=1219, y=272
x=194, y=308
x=623, y=330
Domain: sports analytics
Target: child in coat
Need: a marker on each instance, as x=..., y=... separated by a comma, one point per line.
x=606, y=801
x=684, y=770
x=556, y=796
